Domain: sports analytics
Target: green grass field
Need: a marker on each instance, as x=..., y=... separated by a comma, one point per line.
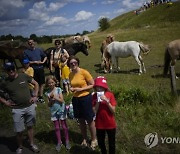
x=145, y=103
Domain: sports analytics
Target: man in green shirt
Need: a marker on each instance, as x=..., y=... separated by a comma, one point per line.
x=16, y=85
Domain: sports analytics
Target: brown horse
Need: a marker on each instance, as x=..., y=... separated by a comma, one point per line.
x=172, y=54
x=108, y=40
x=10, y=53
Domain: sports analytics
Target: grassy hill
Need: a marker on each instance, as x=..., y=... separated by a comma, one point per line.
x=144, y=102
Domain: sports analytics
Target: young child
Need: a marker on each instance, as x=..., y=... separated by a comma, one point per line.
x=27, y=69
x=104, y=107
x=58, y=111
x=64, y=73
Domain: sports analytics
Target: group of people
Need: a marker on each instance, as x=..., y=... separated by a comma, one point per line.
x=95, y=110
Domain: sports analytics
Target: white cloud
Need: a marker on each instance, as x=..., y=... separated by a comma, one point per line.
x=131, y=5
x=108, y=2
x=83, y=15
x=37, y=15
x=56, y=21
x=119, y=11
x=17, y=3
x=55, y=6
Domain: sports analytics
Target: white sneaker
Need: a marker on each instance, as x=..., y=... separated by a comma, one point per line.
x=34, y=148
x=19, y=150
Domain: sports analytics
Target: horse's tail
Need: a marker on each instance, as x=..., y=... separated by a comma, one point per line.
x=167, y=60
x=145, y=48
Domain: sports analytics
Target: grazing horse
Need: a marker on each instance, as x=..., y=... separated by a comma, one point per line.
x=124, y=49
x=72, y=49
x=172, y=54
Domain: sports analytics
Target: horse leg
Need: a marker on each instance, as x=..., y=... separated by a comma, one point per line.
x=173, y=62
x=142, y=64
x=139, y=63
x=114, y=64
x=117, y=64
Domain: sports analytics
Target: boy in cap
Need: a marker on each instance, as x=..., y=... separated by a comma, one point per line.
x=22, y=103
x=104, y=107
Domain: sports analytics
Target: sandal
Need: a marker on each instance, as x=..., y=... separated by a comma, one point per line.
x=84, y=143
x=94, y=144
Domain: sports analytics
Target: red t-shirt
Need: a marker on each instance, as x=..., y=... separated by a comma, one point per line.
x=104, y=117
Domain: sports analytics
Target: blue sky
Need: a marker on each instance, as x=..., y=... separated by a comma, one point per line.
x=58, y=17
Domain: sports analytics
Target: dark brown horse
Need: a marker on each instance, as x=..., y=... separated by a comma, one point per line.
x=172, y=54
x=10, y=53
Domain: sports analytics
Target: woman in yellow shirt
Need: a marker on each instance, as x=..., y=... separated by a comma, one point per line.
x=81, y=83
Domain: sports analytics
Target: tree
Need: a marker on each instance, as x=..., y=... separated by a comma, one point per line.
x=104, y=23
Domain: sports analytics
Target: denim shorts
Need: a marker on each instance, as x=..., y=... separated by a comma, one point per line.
x=23, y=117
x=82, y=107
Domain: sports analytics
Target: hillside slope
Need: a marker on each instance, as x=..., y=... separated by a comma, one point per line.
x=159, y=16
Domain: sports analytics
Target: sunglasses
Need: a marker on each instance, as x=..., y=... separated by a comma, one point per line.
x=73, y=63
x=57, y=43
x=30, y=43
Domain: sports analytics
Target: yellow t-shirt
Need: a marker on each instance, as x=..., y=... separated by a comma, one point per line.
x=80, y=80
x=65, y=71
x=30, y=71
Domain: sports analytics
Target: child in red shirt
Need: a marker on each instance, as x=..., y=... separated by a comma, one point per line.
x=104, y=107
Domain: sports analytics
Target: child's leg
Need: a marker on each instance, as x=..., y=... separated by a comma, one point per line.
x=101, y=140
x=67, y=89
x=65, y=130
x=57, y=131
x=111, y=139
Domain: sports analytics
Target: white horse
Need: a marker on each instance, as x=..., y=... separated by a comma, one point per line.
x=124, y=49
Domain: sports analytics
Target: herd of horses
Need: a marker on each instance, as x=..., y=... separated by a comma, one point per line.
x=111, y=51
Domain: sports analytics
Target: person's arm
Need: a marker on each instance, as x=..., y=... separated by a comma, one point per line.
x=51, y=62
x=108, y=102
x=36, y=87
x=89, y=86
x=8, y=103
x=96, y=107
x=59, y=97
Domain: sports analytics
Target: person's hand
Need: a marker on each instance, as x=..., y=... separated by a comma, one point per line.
x=104, y=98
x=76, y=89
x=33, y=100
x=10, y=103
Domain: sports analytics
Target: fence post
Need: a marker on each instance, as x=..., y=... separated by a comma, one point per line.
x=173, y=81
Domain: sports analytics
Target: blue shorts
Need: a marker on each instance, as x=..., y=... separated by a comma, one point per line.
x=25, y=116
x=82, y=107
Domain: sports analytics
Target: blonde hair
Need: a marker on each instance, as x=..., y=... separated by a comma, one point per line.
x=50, y=77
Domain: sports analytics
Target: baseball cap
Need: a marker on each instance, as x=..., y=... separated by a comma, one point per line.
x=25, y=61
x=101, y=81
x=9, y=66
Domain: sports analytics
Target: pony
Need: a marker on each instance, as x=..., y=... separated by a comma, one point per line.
x=171, y=55
x=72, y=49
x=124, y=49
x=108, y=40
